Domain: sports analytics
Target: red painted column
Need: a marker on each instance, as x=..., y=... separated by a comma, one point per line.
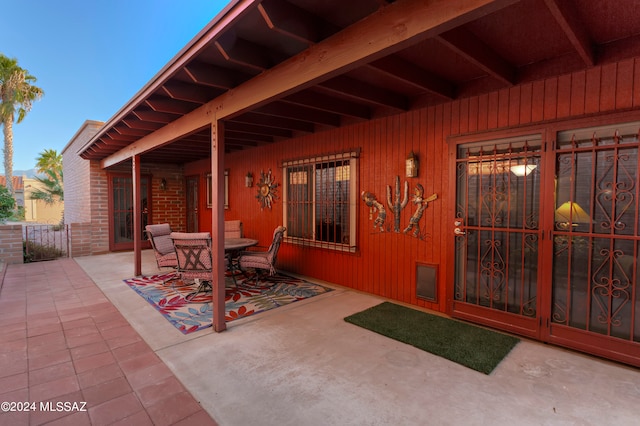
x=217, y=225
x=137, y=214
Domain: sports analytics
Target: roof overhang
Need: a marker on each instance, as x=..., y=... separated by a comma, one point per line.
x=274, y=69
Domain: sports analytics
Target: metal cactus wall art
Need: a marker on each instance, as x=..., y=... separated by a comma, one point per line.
x=396, y=206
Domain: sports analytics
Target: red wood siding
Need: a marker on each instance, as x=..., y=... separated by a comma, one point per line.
x=385, y=262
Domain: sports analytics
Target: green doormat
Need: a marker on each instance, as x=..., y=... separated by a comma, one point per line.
x=466, y=344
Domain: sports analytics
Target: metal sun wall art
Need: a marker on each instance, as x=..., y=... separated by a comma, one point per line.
x=267, y=188
x=396, y=208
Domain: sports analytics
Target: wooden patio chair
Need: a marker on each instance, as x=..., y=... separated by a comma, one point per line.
x=263, y=262
x=162, y=245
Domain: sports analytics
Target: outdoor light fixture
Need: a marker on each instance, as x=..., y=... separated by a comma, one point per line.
x=248, y=180
x=412, y=165
x=163, y=184
x=522, y=169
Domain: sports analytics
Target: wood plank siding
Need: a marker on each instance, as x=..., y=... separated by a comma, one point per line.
x=385, y=263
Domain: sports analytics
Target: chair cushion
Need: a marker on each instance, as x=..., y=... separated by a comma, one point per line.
x=168, y=259
x=190, y=236
x=233, y=229
x=159, y=229
x=193, y=251
x=160, y=234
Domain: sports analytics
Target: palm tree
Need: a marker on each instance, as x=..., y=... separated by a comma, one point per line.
x=52, y=190
x=49, y=162
x=49, y=159
x=17, y=95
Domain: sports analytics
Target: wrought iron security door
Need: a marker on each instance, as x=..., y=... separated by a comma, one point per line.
x=497, y=233
x=121, y=210
x=595, y=295
x=192, y=203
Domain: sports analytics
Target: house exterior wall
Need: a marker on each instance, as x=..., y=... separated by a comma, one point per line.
x=385, y=263
x=37, y=210
x=77, y=176
x=167, y=205
x=98, y=207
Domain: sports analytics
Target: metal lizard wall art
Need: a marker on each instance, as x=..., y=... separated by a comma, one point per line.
x=372, y=202
x=422, y=203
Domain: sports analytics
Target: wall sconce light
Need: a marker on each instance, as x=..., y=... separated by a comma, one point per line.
x=248, y=180
x=163, y=184
x=412, y=165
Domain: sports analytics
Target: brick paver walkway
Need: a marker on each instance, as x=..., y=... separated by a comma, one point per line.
x=67, y=352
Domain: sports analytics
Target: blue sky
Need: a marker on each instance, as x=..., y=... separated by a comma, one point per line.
x=90, y=57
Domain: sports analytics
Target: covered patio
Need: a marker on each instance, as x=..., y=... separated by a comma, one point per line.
x=328, y=101
x=301, y=364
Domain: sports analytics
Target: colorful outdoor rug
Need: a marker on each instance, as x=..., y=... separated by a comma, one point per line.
x=242, y=301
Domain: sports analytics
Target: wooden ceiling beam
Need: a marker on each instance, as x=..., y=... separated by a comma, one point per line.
x=257, y=129
x=291, y=21
x=275, y=122
x=154, y=116
x=328, y=103
x=251, y=137
x=243, y=142
x=573, y=29
x=364, y=92
x=213, y=76
x=391, y=29
x=242, y=52
x=116, y=136
x=398, y=68
x=189, y=92
x=108, y=142
x=475, y=51
x=297, y=112
x=128, y=131
x=169, y=105
x=132, y=123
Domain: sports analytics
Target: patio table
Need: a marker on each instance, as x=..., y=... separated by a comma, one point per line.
x=232, y=246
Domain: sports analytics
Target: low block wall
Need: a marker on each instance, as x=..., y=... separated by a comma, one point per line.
x=11, y=250
x=81, y=239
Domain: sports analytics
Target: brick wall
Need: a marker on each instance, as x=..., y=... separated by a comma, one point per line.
x=168, y=205
x=98, y=208
x=11, y=244
x=77, y=177
x=81, y=235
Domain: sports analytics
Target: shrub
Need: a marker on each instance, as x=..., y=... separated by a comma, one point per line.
x=7, y=203
x=34, y=251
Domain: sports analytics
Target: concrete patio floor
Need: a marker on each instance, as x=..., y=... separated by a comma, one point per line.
x=302, y=364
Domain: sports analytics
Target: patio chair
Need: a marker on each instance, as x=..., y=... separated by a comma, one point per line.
x=233, y=229
x=193, y=251
x=159, y=236
x=263, y=261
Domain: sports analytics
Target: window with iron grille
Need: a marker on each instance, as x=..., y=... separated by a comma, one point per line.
x=320, y=196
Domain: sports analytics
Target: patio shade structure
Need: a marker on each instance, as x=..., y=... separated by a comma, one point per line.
x=266, y=71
